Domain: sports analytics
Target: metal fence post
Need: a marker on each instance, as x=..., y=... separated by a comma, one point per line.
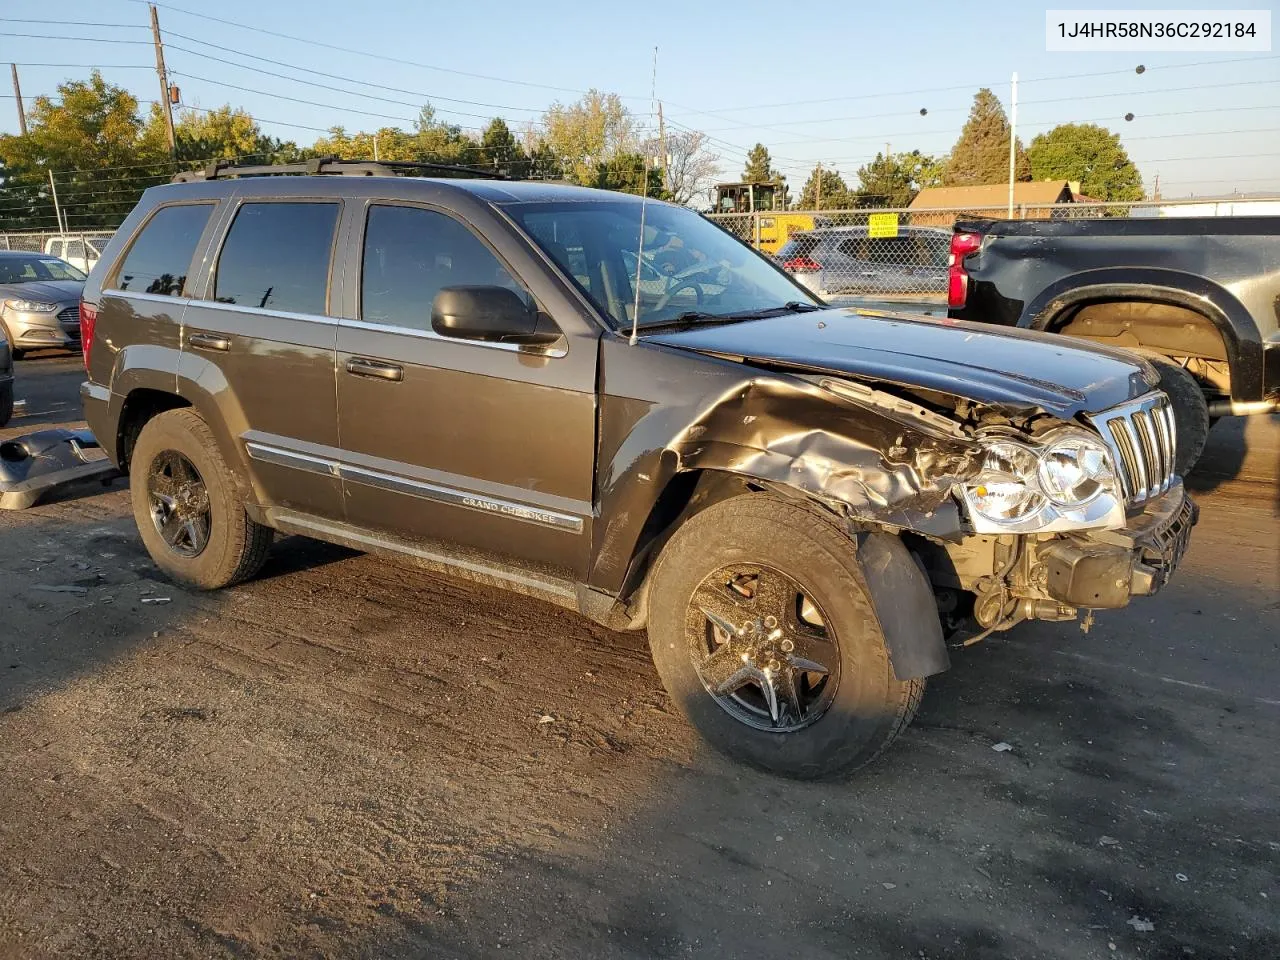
x=755, y=229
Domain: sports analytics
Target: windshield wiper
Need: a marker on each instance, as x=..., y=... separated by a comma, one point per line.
x=699, y=318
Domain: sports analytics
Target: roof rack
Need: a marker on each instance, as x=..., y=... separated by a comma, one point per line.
x=332, y=166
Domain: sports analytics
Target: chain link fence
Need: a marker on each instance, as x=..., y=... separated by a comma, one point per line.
x=879, y=254
x=897, y=253
x=81, y=250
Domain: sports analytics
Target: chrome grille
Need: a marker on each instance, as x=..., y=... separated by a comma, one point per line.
x=69, y=319
x=1143, y=439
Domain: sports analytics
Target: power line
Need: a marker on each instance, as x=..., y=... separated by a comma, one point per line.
x=323, y=86
x=382, y=57
x=88, y=66
x=72, y=23
x=332, y=76
x=1021, y=103
x=965, y=86
x=45, y=36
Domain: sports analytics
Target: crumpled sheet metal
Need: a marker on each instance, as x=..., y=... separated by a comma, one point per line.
x=36, y=464
x=882, y=465
x=864, y=460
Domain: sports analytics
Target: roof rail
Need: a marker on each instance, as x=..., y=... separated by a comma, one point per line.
x=332, y=166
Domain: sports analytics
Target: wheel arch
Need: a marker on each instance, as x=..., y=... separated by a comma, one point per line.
x=1192, y=298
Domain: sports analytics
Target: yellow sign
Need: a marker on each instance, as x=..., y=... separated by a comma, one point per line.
x=882, y=225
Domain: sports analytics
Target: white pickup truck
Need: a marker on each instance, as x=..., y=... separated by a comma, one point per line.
x=79, y=250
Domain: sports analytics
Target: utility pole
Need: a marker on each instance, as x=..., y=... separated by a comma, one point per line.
x=164, y=82
x=817, y=200
x=17, y=96
x=662, y=145
x=57, y=210
x=1013, y=140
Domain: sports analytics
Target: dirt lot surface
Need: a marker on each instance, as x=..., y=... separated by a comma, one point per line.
x=346, y=758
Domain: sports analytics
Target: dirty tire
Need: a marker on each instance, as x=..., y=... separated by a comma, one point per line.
x=6, y=403
x=1190, y=410
x=237, y=546
x=870, y=707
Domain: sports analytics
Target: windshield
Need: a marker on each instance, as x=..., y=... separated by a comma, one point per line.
x=24, y=269
x=690, y=268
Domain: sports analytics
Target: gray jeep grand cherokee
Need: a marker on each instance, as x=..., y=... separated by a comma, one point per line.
x=613, y=405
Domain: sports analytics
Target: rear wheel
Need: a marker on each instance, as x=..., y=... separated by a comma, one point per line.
x=185, y=504
x=763, y=631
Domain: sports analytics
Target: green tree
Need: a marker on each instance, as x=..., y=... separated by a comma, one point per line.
x=440, y=142
x=893, y=180
x=1089, y=154
x=500, y=149
x=981, y=155
x=91, y=137
x=625, y=172
x=223, y=133
x=835, y=193
x=759, y=166
x=593, y=131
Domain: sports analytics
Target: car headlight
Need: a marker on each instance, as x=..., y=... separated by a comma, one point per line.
x=1074, y=470
x=1006, y=488
x=1066, y=481
x=31, y=306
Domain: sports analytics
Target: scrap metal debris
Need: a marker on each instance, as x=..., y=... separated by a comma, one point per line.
x=36, y=464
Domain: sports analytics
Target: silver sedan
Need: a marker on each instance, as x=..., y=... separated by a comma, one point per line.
x=39, y=301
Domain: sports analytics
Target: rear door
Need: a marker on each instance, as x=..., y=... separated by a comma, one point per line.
x=486, y=445
x=260, y=340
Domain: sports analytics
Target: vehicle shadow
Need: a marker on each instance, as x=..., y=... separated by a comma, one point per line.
x=1240, y=448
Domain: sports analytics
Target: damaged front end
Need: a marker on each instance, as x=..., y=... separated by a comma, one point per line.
x=1015, y=512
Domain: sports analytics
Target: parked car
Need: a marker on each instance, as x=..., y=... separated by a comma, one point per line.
x=81, y=251
x=847, y=260
x=39, y=301
x=1197, y=296
x=466, y=374
x=6, y=381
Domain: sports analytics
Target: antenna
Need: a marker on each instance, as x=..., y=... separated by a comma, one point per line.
x=644, y=200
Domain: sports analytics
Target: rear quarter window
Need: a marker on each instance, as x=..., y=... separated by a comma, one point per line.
x=159, y=259
x=798, y=246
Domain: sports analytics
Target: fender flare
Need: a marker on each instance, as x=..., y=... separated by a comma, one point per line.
x=1214, y=302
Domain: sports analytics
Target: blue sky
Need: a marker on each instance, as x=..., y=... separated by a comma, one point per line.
x=833, y=85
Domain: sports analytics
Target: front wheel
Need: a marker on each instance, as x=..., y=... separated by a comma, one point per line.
x=763, y=631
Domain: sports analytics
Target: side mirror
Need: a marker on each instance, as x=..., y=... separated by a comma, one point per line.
x=486, y=313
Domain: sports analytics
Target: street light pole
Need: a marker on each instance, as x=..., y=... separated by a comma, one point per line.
x=1013, y=140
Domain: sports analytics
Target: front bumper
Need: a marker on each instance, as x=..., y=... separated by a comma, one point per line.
x=58, y=328
x=1102, y=569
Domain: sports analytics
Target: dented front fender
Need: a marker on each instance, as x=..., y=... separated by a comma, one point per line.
x=869, y=461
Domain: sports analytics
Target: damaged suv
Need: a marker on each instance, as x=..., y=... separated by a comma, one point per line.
x=613, y=405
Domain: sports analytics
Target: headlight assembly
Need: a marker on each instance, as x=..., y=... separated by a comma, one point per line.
x=1064, y=481
x=31, y=306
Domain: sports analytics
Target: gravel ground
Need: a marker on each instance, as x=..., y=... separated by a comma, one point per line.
x=347, y=758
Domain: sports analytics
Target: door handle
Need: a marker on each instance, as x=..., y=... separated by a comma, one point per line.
x=376, y=369
x=209, y=341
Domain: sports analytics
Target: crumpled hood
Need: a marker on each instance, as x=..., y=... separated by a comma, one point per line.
x=52, y=291
x=1019, y=369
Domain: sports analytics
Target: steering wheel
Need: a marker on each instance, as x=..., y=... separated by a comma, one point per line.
x=670, y=294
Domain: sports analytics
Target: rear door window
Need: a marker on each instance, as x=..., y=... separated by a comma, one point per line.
x=160, y=258
x=276, y=257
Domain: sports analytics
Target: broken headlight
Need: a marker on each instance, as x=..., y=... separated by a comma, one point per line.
x=1065, y=482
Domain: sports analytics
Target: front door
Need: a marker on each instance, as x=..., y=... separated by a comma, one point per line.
x=261, y=341
x=483, y=445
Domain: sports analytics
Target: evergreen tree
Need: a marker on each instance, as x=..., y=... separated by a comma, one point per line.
x=981, y=155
